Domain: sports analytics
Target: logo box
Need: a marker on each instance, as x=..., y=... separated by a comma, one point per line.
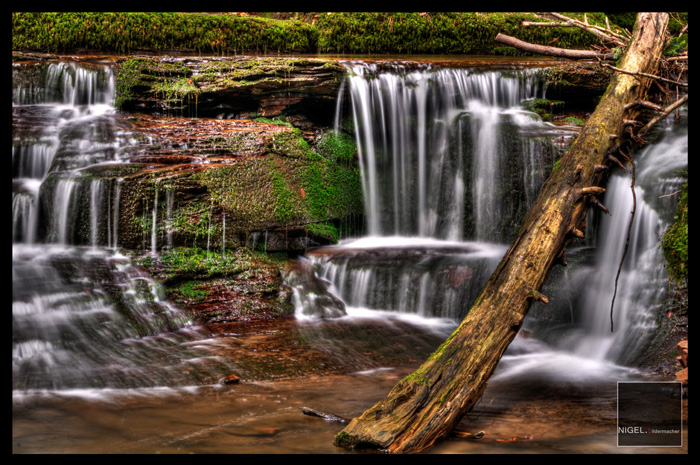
x=649, y=414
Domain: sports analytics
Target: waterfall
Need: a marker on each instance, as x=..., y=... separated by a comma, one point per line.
x=82, y=316
x=450, y=162
x=642, y=284
x=425, y=135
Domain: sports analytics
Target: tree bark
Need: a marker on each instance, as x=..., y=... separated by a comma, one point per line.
x=426, y=405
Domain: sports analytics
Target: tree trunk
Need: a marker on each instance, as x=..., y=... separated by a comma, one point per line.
x=426, y=405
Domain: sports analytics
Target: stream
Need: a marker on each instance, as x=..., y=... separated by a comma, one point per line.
x=102, y=363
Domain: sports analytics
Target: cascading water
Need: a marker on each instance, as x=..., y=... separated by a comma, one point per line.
x=450, y=160
x=82, y=316
x=96, y=350
x=642, y=282
x=424, y=136
x=450, y=163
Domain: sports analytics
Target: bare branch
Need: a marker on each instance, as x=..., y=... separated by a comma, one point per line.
x=663, y=115
x=601, y=33
x=627, y=243
x=659, y=78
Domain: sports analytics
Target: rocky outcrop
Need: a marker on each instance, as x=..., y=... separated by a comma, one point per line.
x=579, y=85
x=230, y=87
x=213, y=183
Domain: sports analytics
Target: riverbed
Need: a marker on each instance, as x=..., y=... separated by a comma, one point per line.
x=532, y=405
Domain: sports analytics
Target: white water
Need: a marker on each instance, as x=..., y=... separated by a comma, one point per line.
x=83, y=318
x=435, y=152
x=406, y=171
x=85, y=379
x=642, y=282
x=432, y=140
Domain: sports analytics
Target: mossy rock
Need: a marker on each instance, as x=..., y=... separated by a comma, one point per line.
x=264, y=181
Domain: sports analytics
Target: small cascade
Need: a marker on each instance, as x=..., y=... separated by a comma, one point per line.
x=450, y=163
x=411, y=276
x=154, y=223
x=82, y=316
x=91, y=320
x=96, y=193
x=425, y=135
x=169, y=199
x=641, y=287
x=223, y=237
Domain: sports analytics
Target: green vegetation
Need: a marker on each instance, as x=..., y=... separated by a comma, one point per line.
x=675, y=241
x=574, y=121
x=205, y=265
x=542, y=106
x=129, y=32
x=449, y=33
x=336, y=32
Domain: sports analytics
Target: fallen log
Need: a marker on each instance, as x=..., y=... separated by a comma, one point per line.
x=552, y=51
x=426, y=405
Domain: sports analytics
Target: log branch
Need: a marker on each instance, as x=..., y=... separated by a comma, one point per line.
x=552, y=51
x=592, y=190
x=640, y=74
x=597, y=203
x=644, y=103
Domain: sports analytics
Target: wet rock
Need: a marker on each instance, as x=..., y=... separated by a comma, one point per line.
x=312, y=292
x=231, y=379
x=683, y=358
x=230, y=87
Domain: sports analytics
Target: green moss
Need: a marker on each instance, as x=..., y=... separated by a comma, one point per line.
x=198, y=262
x=346, y=440
x=335, y=32
x=574, y=121
x=337, y=146
x=169, y=83
x=443, y=32
x=124, y=32
x=675, y=241
x=325, y=230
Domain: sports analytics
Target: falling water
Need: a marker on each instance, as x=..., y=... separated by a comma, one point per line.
x=441, y=152
x=424, y=135
x=443, y=157
x=83, y=317
x=154, y=223
x=169, y=199
x=223, y=237
x=642, y=283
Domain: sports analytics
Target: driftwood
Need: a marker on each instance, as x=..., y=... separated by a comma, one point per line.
x=426, y=405
x=326, y=416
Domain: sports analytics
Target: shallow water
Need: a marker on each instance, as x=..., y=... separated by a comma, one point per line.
x=534, y=404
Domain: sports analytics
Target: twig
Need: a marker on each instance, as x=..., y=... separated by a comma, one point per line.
x=627, y=243
x=669, y=195
x=324, y=415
